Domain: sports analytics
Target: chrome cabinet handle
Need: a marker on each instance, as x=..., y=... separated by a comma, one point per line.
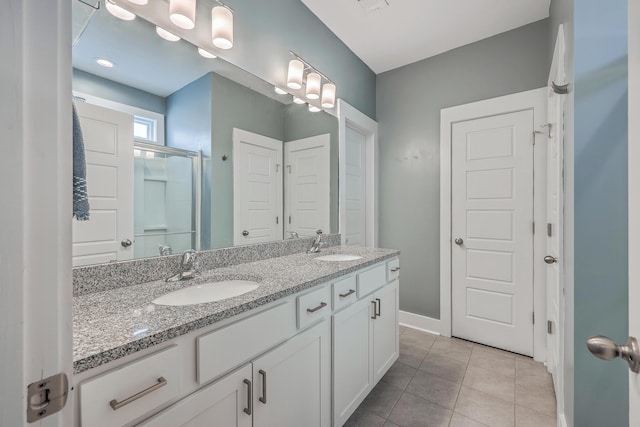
x=375, y=313
x=126, y=243
x=550, y=259
x=395, y=269
x=263, y=399
x=117, y=405
x=606, y=349
x=245, y=233
x=379, y=313
x=313, y=310
x=459, y=241
x=249, y=409
x=351, y=292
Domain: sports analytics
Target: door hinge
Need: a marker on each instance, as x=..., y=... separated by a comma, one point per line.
x=46, y=397
x=549, y=327
x=533, y=227
x=277, y=167
x=277, y=220
x=549, y=229
x=289, y=219
x=289, y=167
x=533, y=318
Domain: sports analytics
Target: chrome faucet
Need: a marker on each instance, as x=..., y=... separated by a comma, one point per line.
x=165, y=250
x=315, y=248
x=294, y=235
x=189, y=267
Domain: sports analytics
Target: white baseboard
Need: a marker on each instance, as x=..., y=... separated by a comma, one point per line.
x=421, y=323
x=562, y=420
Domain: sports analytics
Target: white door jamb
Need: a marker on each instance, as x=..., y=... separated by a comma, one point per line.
x=533, y=99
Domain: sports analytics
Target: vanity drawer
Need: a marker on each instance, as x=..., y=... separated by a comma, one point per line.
x=344, y=292
x=313, y=306
x=222, y=350
x=126, y=393
x=372, y=279
x=393, y=269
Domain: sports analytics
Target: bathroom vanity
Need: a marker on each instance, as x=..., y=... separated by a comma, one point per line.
x=302, y=349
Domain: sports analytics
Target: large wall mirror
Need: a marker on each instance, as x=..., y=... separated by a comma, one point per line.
x=187, y=152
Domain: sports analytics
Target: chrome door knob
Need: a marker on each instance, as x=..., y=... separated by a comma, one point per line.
x=459, y=241
x=245, y=233
x=550, y=259
x=126, y=243
x=606, y=349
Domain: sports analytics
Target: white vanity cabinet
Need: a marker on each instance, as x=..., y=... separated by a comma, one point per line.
x=365, y=339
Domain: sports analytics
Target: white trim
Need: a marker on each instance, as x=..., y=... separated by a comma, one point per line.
x=129, y=109
x=535, y=99
x=421, y=323
x=351, y=117
x=562, y=420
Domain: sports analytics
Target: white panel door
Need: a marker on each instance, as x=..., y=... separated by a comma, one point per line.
x=307, y=185
x=492, y=216
x=108, y=141
x=257, y=188
x=355, y=188
x=292, y=382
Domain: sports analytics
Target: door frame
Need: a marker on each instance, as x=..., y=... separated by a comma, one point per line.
x=355, y=119
x=35, y=176
x=535, y=100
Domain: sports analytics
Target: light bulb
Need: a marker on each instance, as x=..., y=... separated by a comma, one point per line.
x=328, y=95
x=119, y=12
x=183, y=13
x=222, y=27
x=313, y=85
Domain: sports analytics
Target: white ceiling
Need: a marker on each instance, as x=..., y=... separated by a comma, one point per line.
x=406, y=31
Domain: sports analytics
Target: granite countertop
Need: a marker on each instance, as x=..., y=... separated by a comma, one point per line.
x=111, y=324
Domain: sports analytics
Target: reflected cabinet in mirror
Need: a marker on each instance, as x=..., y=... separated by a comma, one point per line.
x=185, y=152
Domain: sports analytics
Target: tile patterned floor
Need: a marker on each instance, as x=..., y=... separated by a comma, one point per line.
x=441, y=381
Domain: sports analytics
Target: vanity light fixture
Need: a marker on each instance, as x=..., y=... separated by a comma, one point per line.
x=298, y=100
x=279, y=91
x=314, y=109
x=139, y=2
x=119, y=12
x=166, y=34
x=103, y=62
x=328, y=95
x=183, y=13
x=295, y=74
x=313, y=85
x=206, y=53
x=222, y=26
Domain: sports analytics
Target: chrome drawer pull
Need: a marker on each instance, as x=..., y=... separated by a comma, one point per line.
x=263, y=399
x=313, y=310
x=351, y=292
x=117, y=405
x=249, y=409
x=393, y=270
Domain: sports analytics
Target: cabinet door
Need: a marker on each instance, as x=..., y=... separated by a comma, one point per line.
x=385, y=330
x=292, y=382
x=224, y=403
x=352, y=359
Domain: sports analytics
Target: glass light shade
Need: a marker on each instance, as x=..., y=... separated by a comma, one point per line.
x=139, y=2
x=103, y=62
x=166, y=34
x=298, y=100
x=313, y=85
x=119, y=12
x=222, y=27
x=329, y=95
x=294, y=76
x=183, y=13
x=280, y=91
x=206, y=53
x=314, y=109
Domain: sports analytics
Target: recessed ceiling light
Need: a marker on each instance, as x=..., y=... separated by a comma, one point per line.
x=280, y=91
x=103, y=62
x=298, y=100
x=119, y=12
x=314, y=109
x=166, y=34
x=206, y=53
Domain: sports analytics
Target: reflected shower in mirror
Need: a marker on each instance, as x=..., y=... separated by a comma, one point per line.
x=185, y=151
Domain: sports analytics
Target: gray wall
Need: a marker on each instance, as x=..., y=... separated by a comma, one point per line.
x=300, y=123
x=600, y=186
x=409, y=100
x=91, y=84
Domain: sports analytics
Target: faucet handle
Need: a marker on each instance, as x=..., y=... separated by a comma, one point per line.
x=319, y=232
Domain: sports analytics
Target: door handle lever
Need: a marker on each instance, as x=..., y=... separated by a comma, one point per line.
x=606, y=349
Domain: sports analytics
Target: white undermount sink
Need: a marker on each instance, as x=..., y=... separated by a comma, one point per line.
x=207, y=292
x=338, y=257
